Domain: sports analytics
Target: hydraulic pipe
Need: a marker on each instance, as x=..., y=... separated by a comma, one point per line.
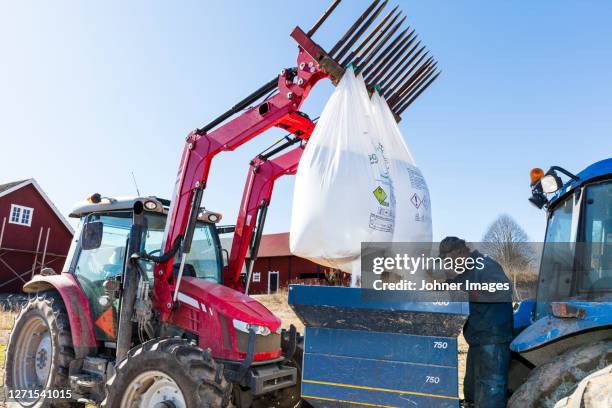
x=245, y=103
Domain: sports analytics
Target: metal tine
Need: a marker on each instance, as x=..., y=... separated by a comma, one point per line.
x=408, y=83
x=411, y=81
x=416, y=89
x=360, y=32
x=384, y=54
x=399, y=68
x=391, y=58
x=414, y=86
x=322, y=19
x=379, y=33
x=391, y=66
x=371, y=35
x=423, y=88
x=374, y=52
x=352, y=29
x=401, y=82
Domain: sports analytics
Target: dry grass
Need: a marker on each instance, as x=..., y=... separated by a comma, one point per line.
x=278, y=305
x=7, y=318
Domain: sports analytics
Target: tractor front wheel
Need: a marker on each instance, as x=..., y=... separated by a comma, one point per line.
x=558, y=378
x=38, y=354
x=167, y=373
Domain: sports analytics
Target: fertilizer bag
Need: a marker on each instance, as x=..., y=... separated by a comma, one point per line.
x=343, y=195
x=411, y=196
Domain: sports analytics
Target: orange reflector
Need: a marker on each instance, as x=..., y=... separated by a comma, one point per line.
x=536, y=174
x=106, y=323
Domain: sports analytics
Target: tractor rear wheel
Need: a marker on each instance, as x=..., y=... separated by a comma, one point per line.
x=38, y=354
x=558, y=378
x=167, y=373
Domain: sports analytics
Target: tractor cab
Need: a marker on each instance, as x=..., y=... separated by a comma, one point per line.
x=576, y=260
x=574, y=294
x=98, y=252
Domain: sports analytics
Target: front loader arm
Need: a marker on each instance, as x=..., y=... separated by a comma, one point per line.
x=202, y=145
x=256, y=197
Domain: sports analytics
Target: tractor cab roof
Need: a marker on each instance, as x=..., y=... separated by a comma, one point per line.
x=596, y=171
x=97, y=204
x=106, y=204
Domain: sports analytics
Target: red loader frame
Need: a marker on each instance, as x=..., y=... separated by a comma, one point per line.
x=201, y=146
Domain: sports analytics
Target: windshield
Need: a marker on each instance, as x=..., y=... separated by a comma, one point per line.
x=557, y=257
x=578, y=269
x=205, y=255
x=595, y=256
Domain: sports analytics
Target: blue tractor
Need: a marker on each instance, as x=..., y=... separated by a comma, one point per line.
x=566, y=332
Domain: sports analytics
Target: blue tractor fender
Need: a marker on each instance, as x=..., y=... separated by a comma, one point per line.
x=568, y=321
x=523, y=314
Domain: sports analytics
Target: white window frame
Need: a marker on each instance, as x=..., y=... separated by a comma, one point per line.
x=270, y=273
x=256, y=277
x=21, y=209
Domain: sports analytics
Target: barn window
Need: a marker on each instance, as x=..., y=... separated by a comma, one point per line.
x=256, y=276
x=21, y=215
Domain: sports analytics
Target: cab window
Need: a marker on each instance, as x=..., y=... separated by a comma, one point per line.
x=204, y=256
x=100, y=264
x=557, y=263
x=595, y=262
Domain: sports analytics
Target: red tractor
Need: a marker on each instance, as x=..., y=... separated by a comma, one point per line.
x=148, y=312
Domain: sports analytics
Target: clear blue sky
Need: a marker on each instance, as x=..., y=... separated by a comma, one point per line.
x=90, y=91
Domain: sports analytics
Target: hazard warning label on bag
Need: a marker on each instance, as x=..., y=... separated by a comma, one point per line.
x=416, y=200
x=380, y=195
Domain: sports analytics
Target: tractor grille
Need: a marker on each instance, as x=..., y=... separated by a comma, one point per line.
x=263, y=344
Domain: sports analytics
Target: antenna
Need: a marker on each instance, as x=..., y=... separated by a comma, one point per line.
x=135, y=184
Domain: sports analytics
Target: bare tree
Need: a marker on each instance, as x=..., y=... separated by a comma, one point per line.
x=507, y=243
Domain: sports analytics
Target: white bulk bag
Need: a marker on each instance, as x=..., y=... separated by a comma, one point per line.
x=343, y=194
x=356, y=182
x=412, y=202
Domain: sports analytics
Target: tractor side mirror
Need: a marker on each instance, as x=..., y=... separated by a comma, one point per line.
x=92, y=235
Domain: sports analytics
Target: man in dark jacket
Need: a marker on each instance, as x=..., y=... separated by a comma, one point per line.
x=488, y=330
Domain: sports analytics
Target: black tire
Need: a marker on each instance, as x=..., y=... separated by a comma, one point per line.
x=558, y=378
x=45, y=309
x=199, y=379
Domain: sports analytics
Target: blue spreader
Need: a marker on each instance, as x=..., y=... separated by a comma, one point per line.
x=380, y=354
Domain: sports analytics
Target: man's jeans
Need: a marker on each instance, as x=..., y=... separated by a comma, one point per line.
x=486, y=375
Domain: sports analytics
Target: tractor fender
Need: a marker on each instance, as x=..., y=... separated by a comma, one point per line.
x=77, y=306
x=552, y=335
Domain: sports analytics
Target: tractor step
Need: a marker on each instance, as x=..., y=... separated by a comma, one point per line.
x=88, y=376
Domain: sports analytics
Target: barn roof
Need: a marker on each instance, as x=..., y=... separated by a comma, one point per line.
x=7, y=188
x=274, y=245
x=271, y=245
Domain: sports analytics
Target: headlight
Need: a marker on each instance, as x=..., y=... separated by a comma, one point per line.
x=150, y=205
x=550, y=183
x=246, y=328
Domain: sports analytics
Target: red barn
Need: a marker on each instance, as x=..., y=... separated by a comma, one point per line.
x=33, y=234
x=276, y=267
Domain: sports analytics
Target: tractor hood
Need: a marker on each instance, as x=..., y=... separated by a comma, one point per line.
x=229, y=302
